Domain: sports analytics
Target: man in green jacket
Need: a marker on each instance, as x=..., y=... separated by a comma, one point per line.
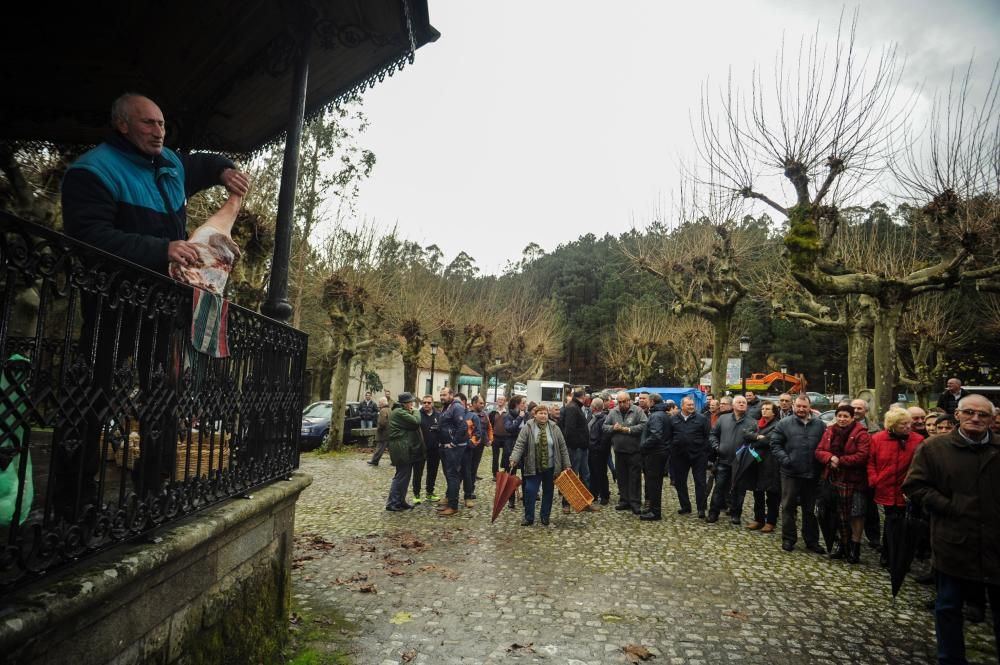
x=406, y=447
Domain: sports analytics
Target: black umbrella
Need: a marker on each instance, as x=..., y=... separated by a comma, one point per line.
x=746, y=462
x=826, y=508
x=902, y=531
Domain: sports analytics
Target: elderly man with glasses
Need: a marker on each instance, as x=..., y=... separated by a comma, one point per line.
x=955, y=477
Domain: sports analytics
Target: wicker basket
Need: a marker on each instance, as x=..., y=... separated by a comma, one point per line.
x=133, y=452
x=214, y=449
x=574, y=491
x=110, y=454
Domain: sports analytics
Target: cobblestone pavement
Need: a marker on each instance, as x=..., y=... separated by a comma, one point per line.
x=425, y=589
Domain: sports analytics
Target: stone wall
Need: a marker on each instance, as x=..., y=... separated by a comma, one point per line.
x=213, y=588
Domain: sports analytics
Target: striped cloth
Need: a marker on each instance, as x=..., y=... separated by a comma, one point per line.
x=209, y=317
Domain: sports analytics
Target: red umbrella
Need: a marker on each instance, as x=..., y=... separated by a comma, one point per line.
x=506, y=486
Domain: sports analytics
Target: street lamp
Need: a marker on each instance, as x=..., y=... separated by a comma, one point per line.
x=744, y=350
x=826, y=390
x=984, y=371
x=434, y=352
x=496, y=378
x=784, y=381
x=840, y=383
x=660, y=370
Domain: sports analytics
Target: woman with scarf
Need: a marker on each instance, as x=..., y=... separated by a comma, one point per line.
x=542, y=454
x=888, y=462
x=844, y=451
x=764, y=478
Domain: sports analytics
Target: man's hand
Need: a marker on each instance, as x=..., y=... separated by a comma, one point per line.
x=235, y=181
x=513, y=465
x=182, y=253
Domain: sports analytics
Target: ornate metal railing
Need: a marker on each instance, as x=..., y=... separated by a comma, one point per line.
x=110, y=424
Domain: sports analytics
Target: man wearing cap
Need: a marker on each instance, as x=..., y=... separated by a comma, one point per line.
x=406, y=447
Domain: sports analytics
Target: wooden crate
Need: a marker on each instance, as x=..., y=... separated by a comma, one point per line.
x=573, y=489
x=213, y=449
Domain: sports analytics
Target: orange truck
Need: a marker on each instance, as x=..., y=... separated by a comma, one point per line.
x=772, y=382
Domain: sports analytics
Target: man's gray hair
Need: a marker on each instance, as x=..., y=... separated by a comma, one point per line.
x=383, y=401
x=655, y=398
x=597, y=404
x=980, y=398
x=803, y=396
x=121, y=107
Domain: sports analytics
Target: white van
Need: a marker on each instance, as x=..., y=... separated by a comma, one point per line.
x=548, y=392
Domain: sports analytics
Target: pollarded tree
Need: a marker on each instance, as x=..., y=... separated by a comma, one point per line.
x=825, y=126
x=639, y=340
x=932, y=325
x=707, y=265
x=354, y=297
x=689, y=340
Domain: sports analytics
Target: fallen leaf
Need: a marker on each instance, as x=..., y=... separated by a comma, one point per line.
x=521, y=648
x=395, y=572
x=736, y=614
x=401, y=617
x=356, y=577
x=367, y=588
x=635, y=653
x=408, y=655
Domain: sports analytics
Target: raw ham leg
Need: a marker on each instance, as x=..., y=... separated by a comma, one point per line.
x=216, y=250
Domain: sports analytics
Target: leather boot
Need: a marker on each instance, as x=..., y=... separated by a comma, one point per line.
x=855, y=554
x=839, y=550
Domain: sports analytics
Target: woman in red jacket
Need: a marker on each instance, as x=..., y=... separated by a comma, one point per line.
x=844, y=451
x=891, y=453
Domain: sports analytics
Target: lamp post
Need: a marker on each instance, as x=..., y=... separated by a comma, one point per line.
x=984, y=371
x=840, y=383
x=496, y=378
x=744, y=350
x=660, y=371
x=434, y=352
x=784, y=381
x=826, y=390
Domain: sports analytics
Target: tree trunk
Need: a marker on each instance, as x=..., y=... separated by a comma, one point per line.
x=859, y=344
x=886, y=325
x=338, y=395
x=453, y=375
x=720, y=352
x=411, y=367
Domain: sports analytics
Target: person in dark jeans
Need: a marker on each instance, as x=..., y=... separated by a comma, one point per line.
x=600, y=448
x=499, y=431
x=954, y=478
x=368, y=410
x=453, y=435
x=689, y=433
x=654, y=449
x=429, y=429
x=513, y=420
x=793, y=443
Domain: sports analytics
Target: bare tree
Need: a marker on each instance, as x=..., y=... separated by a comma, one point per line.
x=640, y=339
x=826, y=128
x=932, y=325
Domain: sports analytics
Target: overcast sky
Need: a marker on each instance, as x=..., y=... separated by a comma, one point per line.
x=545, y=120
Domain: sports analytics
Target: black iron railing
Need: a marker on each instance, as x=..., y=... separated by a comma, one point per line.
x=110, y=424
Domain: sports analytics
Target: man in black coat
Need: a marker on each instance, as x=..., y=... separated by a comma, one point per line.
x=600, y=451
x=368, y=410
x=793, y=444
x=689, y=454
x=654, y=446
x=429, y=429
x=948, y=400
x=577, y=435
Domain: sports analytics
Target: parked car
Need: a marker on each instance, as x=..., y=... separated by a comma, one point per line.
x=828, y=416
x=316, y=423
x=819, y=401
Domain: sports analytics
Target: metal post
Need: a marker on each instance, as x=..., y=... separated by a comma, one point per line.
x=434, y=353
x=743, y=374
x=276, y=305
x=826, y=390
x=496, y=378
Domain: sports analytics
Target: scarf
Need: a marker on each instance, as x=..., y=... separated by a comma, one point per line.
x=542, y=449
x=838, y=438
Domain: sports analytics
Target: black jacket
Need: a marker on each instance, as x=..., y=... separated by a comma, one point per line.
x=121, y=200
x=793, y=444
x=368, y=410
x=691, y=435
x=574, y=426
x=656, y=436
x=429, y=428
x=949, y=402
x=600, y=441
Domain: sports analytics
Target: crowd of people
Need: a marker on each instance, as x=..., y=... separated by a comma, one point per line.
x=945, y=463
